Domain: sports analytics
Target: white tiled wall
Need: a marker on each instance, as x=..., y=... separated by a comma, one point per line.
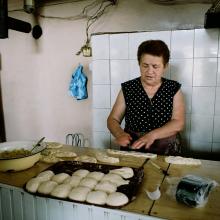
x=195, y=63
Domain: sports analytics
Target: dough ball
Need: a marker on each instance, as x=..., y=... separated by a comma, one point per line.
x=88, y=182
x=46, y=187
x=117, y=199
x=81, y=172
x=61, y=191
x=60, y=177
x=96, y=175
x=125, y=172
x=79, y=193
x=106, y=186
x=96, y=197
x=46, y=175
x=73, y=181
x=33, y=184
x=115, y=178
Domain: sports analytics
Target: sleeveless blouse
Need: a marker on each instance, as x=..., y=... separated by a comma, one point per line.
x=144, y=114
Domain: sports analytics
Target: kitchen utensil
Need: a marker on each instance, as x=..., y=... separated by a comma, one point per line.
x=20, y=163
x=38, y=144
x=159, y=168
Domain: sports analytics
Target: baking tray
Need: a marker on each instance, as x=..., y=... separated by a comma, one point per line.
x=130, y=190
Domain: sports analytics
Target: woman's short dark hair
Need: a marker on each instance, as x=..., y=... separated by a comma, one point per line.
x=155, y=48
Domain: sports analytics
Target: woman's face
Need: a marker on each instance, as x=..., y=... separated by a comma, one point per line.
x=152, y=69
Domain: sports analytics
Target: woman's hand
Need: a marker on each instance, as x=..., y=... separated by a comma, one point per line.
x=124, y=139
x=145, y=141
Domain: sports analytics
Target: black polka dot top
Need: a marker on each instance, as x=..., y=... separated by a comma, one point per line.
x=144, y=114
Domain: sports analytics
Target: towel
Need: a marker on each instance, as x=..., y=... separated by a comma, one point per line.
x=78, y=83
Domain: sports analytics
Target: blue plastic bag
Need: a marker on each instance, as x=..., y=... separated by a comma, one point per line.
x=77, y=87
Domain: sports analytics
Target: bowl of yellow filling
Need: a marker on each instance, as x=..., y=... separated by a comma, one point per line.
x=18, y=155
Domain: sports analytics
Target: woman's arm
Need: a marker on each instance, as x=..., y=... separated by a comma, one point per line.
x=114, y=121
x=172, y=127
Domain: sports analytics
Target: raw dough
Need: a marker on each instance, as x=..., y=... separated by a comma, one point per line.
x=79, y=193
x=86, y=159
x=46, y=175
x=103, y=157
x=117, y=199
x=115, y=178
x=96, y=175
x=50, y=159
x=60, y=177
x=46, y=187
x=106, y=186
x=182, y=160
x=33, y=184
x=81, y=172
x=88, y=182
x=65, y=154
x=61, y=191
x=125, y=172
x=131, y=153
x=53, y=145
x=96, y=197
x=73, y=181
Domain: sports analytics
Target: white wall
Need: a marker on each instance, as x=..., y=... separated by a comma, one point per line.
x=35, y=75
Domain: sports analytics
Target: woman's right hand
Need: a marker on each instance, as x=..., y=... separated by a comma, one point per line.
x=124, y=139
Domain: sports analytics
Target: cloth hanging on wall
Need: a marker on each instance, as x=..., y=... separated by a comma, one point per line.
x=78, y=84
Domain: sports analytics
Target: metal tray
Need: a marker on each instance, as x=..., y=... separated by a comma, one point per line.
x=130, y=190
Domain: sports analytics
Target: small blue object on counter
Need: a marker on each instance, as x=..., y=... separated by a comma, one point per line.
x=78, y=83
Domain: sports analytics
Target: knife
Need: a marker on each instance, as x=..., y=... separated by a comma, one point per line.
x=37, y=144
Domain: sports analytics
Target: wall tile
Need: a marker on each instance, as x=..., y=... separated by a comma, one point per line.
x=201, y=128
x=217, y=101
x=100, y=119
x=135, y=39
x=187, y=92
x=119, y=46
x=199, y=146
x=100, y=72
x=206, y=42
x=185, y=134
x=101, y=140
x=183, y=39
x=114, y=93
x=100, y=46
x=218, y=72
x=216, y=133
x=181, y=70
x=119, y=71
x=204, y=73
x=203, y=99
x=101, y=96
x=134, y=69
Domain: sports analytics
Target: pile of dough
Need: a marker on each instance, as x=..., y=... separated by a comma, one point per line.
x=50, y=159
x=182, y=160
x=61, y=191
x=46, y=175
x=131, y=153
x=46, y=187
x=96, y=197
x=96, y=175
x=79, y=193
x=60, y=177
x=33, y=184
x=103, y=157
x=51, y=145
x=115, y=178
x=106, y=186
x=73, y=181
x=86, y=159
x=125, y=172
x=117, y=199
x=81, y=172
x=88, y=182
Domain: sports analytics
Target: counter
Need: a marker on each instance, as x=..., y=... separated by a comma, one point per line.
x=15, y=203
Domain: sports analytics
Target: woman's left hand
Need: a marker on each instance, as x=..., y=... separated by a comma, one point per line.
x=145, y=141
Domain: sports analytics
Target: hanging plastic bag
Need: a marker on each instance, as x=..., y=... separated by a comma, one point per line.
x=77, y=87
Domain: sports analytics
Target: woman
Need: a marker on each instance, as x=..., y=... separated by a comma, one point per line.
x=153, y=106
